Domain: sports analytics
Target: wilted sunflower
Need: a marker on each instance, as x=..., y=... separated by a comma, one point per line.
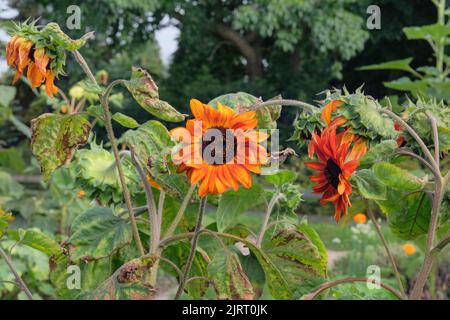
x=335, y=166
x=222, y=164
x=22, y=53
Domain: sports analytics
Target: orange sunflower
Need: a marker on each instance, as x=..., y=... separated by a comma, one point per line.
x=219, y=148
x=336, y=164
x=329, y=108
x=21, y=53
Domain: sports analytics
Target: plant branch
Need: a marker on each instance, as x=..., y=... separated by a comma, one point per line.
x=331, y=284
x=180, y=212
x=272, y=203
x=13, y=269
x=389, y=253
x=162, y=197
x=441, y=244
x=422, y=160
x=108, y=124
x=435, y=136
x=414, y=135
x=151, y=207
x=194, y=241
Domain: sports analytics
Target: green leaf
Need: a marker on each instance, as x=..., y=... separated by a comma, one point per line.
x=125, y=120
x=281, y=177
x=5, y=219
x=7, y=94
x=55, y=139
x=129, y=282
x=303, y=262
x=429, y=32
x=405, y=84
x=228, y=277
x=444, y=139
x=36, y=239
x=153, y=145
x=98, y=233
x=178, y=254
x=146, y=93
x=402, y=64
x=369, y=185
x=396, y=178
x=234, y=203
x=378, y=152
x=255, y=273
x=409, y=215
x=241, y=101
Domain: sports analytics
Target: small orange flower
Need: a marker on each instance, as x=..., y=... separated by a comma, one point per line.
x=409, y=249
x=360, y=218
x=81, y=194
x=336, y=164
x=329, y=108
x=22, y=53
x=233, y=158
x=64, y=109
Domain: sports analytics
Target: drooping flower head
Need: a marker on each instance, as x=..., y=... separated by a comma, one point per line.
x=40, y=52
x=220, y=148
x=336, y=163
x=21, y=54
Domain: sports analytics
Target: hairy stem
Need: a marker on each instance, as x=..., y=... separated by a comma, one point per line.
x=389, y=253
x=151, y=207
x=331, y=284
x=13, y=269
x=269, y=210
x=112, y=139
x=190, y=260
x=429, y=257
x=414, y=135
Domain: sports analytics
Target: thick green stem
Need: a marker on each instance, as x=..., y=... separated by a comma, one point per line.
x=112, y=139
x=190, y=260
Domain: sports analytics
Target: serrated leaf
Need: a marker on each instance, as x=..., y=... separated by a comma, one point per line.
x=369, y=185
x=55, y=139
x=408, y=215
x=281, y=177
x=405, y=84
x=396, y=178
x=402, y=64
x=7, y=94
x=98, y=233
x=381, y=151
x=129, y=282
x=429, y=32
x=233, y=203
x=125, y=120
x=36, y=239
x=302, y=262
x=146, y=93
x=228, y=277
x=152, y=143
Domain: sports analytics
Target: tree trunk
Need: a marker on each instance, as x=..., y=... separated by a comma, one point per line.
x=252, y=54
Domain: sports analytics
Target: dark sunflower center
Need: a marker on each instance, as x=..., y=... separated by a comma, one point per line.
x=332, y=172
x=219, y=146
x=31, y=53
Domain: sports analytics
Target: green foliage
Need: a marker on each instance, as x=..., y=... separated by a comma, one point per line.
x=408, y=216
x=301, y=259
x=98, y=233
x=146, y=94
x=125, y=120
x=233, y=203
x=228, y=277
x=36, y=239
x=55, y=138
x=369, y=185
x=396, y=178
